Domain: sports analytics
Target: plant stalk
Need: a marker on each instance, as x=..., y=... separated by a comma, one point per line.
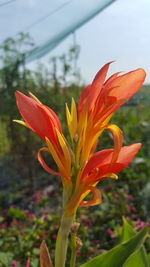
x=62, y=241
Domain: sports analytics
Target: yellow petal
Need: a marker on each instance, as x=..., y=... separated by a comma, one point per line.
x=68, y=116
x=22, y=123
x=72, y=119
x=35, y=98
x=111, y=175
x=65, y=150
x=56, y=158
x=83, y=118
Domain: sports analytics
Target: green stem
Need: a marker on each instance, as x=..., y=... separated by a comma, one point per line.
x=73, y=250
x=62, y=241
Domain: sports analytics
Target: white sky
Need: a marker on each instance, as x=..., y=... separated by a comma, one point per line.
x=121, y=33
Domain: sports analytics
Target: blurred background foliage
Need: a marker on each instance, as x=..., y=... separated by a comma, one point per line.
x=30, y=199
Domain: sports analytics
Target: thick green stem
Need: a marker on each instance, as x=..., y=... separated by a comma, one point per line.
x=62, y=241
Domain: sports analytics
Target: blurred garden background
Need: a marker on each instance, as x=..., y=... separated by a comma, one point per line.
x=30, y=198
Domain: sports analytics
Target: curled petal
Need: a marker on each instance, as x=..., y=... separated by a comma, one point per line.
x=43, y=164
x=96, y=198
x=118, y=138
x=90, y=180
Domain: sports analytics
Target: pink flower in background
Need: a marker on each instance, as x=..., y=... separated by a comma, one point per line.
x=140, y=225
x=28, y=263
x=110, y=232
x=14, y=263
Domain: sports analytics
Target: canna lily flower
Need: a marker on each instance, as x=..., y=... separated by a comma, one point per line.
x=96, y=105
x=44, y=122
x=80, y=167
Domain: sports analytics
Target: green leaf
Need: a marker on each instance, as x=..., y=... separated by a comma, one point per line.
x=138, y=258
x=117, y=256
x=127, y=231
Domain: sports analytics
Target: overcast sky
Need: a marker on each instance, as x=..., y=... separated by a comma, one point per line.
x=121, y=33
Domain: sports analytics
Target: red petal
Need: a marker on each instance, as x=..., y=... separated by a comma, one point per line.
x=97, y=84
x=39, y=117
x=102, y=160
x=83, y=97
x=102, y=157
x=126, y=155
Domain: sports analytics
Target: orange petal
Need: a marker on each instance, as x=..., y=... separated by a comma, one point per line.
x=125, y=157
x=116, y=91
x=124, y=87
x=97, y=84
x=111, y=78
x=96, y=199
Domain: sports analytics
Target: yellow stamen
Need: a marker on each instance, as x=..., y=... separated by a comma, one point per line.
x=34, y=97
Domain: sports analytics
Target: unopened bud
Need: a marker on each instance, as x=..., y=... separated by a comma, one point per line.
x=79, y=243
x=75, y=227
